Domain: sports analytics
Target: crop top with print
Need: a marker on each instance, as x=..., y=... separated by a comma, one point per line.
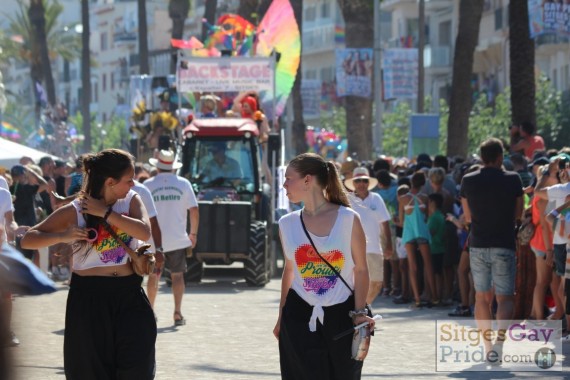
x=105, y=250
x=313, y=280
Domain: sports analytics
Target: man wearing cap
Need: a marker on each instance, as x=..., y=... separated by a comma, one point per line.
x=174, y=199
x=375, y=220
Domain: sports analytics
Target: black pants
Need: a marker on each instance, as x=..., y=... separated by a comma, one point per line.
x=315, y=355
x=110, y=331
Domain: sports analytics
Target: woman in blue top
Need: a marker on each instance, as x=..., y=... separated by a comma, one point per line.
x=413, y=212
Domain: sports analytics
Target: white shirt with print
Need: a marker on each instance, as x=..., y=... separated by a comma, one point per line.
x=173, y=196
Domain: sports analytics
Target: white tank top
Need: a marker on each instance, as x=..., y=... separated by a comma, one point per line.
x=105, y=251
x=313, y=280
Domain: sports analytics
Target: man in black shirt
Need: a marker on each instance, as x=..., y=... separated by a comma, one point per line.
x=492, y=201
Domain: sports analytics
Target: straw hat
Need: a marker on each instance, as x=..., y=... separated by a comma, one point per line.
x=361, y=173
x=165, y=161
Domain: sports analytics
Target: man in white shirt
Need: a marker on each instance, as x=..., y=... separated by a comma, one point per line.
x=174, y=198
x=375, y=220
x=155, y=240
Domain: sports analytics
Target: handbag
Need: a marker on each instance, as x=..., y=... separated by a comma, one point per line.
x=526, y=231
x=361, y=336
x=142, y=260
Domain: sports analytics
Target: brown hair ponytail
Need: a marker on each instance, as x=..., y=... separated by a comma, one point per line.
x=325, y=174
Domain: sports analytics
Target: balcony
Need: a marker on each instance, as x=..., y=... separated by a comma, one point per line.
x=431, y=5
x=319, y=39
x=548, y=44
x=123, y=37
x=437, y=56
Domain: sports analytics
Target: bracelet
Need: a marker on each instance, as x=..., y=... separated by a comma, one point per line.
x=358, y=313
x=109, y=211
x=554, y=213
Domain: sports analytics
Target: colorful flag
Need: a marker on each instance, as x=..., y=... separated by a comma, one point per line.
x=8, y=131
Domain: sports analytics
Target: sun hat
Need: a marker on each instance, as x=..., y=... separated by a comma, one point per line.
x=166, y=161
x=361, y=173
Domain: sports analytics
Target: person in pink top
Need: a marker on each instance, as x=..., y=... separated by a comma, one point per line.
x=530, y=142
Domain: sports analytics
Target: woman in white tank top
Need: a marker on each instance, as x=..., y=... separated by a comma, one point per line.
x=110, y=331
x=315, y=302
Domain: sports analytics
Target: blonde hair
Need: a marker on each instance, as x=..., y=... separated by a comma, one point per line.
x=325, y=173
x=436, y=175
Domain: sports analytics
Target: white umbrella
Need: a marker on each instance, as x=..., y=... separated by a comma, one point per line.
x=11, y=152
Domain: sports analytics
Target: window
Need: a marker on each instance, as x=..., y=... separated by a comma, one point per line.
x=326, y=10
x=555, y=78
x=499, y=18
x=445, y=33
x=311, y=74
x=327, y=74
x=104, y=43
x=95, y=93
x=112, y=81
x=310, y=14
x=104, y=80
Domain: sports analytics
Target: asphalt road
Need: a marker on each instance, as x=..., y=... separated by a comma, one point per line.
x=228, y=335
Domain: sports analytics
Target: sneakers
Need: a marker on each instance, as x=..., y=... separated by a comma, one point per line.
x=461, y=311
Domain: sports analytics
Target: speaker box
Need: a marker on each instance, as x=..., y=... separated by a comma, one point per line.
x=273, y=145
x=224, y=227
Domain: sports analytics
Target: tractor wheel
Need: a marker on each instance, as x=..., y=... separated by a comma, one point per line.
x=255, y=267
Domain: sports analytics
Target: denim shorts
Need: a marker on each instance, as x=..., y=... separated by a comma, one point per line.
x=496, y=265
x=559, y=259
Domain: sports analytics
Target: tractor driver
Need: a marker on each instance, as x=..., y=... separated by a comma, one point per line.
x=221, y=166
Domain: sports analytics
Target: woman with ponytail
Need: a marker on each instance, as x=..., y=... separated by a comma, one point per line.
x=110, y=331
x=318, y=302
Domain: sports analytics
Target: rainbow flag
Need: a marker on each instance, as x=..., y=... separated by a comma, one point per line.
x=8, y=131
x=338, y=34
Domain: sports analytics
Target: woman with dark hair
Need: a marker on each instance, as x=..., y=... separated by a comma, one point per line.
x=318, y=302
x=110, y=331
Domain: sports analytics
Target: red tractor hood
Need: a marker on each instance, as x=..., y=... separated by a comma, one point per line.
x=221, y=127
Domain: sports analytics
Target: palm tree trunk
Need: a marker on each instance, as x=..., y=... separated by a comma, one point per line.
x=143, y=38
x=298, y=128
x=210, y=16
x=36, y=14
x=85, y=76
x=470, y=12
x=178, y=12
x=521, y=54
x=358, y=17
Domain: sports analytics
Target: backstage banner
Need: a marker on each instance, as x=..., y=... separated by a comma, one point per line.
x=226, y=75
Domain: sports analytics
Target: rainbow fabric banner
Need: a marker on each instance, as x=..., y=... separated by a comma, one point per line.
x=8, y=131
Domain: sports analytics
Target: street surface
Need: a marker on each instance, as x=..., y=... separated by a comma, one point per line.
x=228, y=335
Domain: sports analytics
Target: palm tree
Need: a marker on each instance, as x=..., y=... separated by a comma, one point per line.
x=36, y=14
x=178, y=12
x=299, y=127
x=19, y=41
x=210, y=16
x=358, y=18
x=143, y=38
x=521, y=54
x=470, y=12
x=85, y=75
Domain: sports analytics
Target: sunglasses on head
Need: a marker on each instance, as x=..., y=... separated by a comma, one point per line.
x=361, y=180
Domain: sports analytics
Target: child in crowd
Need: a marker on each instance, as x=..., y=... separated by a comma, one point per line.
x=402, y=255
x=436, y=225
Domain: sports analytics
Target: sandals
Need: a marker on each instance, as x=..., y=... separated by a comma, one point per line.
x=179, y=321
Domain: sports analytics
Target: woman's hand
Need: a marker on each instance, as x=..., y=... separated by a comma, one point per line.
x=277, y=329
x=362, y=319
x=74, y=233
x=90, y=205
x=549, y=257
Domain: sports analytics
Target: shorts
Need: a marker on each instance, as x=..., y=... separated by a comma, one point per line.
x=559, y=259
x=437, y=263
x=496, y=265
x=175, y=261
x=375, y=266
x=538, y=252
x=418, y=241
x=401, y=249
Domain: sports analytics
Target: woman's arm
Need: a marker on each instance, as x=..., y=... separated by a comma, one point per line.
x=59, y=227
x=286, y=281
x=546, y=230
x=361, y=278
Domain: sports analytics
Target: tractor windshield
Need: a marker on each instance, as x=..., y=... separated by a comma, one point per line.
x=222, y=164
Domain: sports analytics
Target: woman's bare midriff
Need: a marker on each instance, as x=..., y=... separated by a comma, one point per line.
x=111, y=271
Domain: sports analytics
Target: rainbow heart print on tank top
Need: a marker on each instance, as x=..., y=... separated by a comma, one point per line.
x=317, y=276
x=108, y=248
